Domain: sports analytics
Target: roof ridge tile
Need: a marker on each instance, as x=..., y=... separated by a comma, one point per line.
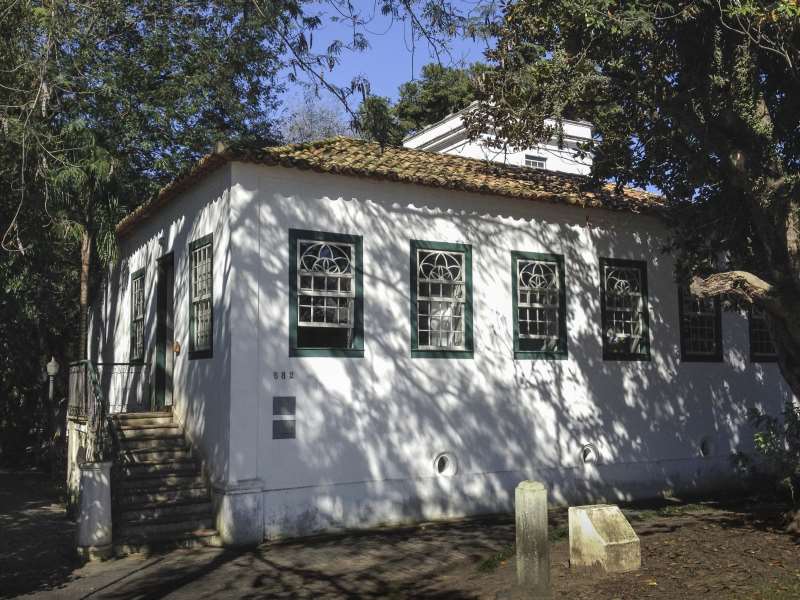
x=360, y=158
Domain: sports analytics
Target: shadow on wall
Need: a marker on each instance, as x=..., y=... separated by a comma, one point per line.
x=200, y=386
x=369, y=429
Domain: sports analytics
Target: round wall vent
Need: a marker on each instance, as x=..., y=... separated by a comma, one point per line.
x=445, y=464
x=706, y=447
x=589, y=454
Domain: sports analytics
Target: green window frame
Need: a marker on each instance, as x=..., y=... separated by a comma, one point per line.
x=700, y=327
x=137, y=316
x=449, y=270
x=539, y=305
x=762, y=348
x=201, y=297
x=326, y=279
x=624, y=309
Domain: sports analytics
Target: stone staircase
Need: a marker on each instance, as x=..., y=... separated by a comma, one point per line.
x=161, y=499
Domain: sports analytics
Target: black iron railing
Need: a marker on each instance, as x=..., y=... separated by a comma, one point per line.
x=99, y=389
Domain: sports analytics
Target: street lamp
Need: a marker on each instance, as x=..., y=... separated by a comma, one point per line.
x=52, y=371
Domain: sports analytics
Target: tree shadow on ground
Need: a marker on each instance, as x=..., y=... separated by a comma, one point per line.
x=405, y=562
x=37, y=540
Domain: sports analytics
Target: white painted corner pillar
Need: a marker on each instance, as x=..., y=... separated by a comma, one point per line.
x=94, y=511
x=244, y=324
x=240, y=512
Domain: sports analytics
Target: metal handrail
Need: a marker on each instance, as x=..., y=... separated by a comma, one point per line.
x=95, y=410
x=93, y=406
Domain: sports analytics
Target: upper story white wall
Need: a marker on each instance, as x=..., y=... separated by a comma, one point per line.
x=384, y=417
x=201, y=386
x=449, y=136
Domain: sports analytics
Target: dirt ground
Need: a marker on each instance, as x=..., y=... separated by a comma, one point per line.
x=735, y=550
x=689, y=551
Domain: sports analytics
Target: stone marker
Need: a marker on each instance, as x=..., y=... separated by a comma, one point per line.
x=533, y=550
x=600, y=536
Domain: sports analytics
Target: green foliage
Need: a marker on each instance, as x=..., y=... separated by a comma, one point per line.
x=100, y=104
x=493, y=562
x=439, y=92
x=777, y=444
x=700, y=99
x=103, y=102
x=376, y=121
x=673, y=94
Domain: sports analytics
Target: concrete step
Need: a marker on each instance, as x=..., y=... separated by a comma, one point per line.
x=130, y=499
x=149, y=433
x=161, y=481
x=153, y=455
x=145, y=501
x=145, y=422
x=135, y=416
x=153, y=443
x=155, y=529
x=147, y=426
x=141, y=419
x=154, y=468
x=148, y=544
x=164, y=513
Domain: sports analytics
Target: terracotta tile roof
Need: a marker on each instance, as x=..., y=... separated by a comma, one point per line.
x=358, y=158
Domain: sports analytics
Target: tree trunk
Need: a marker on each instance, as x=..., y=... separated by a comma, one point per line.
x=87, y=243
x=780, y=306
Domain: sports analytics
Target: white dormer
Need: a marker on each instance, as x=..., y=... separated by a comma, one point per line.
x=449, y=136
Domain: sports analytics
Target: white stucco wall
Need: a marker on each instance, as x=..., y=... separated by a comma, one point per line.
x=368, y=428
x=449, y=136
x=201, y=386
x=563, y=160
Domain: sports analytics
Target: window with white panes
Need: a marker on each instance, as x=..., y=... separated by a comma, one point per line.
x=201, y=282
x=442, y=298
x=701, y=336
x=762, y=348
x=539, y=305
x=326, y=294
x=537, y=162
x=326, y=297
x=625, y=320
x=137, y=316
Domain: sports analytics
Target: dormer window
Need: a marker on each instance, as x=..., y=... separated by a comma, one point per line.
x=537, y=162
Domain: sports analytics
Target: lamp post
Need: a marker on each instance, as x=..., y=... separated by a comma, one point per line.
x=52, y=370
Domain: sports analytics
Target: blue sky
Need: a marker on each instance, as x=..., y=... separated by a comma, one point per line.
x=389, y=62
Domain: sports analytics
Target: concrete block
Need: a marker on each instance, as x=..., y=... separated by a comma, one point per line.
x=600, y=536
x=533, y=550
x=94, y=511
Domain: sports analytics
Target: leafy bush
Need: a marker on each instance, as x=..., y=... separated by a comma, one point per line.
x=777, y=444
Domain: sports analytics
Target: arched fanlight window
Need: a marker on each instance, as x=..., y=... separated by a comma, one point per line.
x=326, y=294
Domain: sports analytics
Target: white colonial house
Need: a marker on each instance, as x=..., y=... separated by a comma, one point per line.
x=339, y=335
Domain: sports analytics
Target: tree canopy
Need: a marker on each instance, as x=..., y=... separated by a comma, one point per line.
x=699, y=98
x=440, y=91
x=314, y=120
x=103, y=102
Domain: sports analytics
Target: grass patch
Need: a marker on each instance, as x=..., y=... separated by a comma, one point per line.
x=678, y=509
x=491, y=563
x=671, y=510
